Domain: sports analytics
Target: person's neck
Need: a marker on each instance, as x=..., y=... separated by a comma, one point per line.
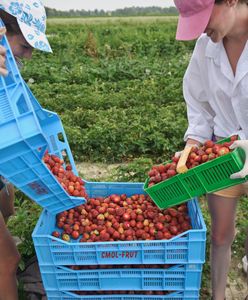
x=239, y=32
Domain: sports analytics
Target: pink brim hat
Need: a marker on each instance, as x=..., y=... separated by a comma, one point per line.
x=191, y=27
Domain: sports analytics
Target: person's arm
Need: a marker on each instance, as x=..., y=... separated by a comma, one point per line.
x=199, y=112
x=7, y=197
x=192, y=142
x=3, y=70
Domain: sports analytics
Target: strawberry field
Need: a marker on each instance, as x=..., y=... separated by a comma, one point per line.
x=117, y=86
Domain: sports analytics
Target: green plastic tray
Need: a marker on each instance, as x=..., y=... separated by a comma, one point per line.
x=208, y=177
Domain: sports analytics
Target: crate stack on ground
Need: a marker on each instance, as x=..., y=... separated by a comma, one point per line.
x=183, y=256
x=27, y=132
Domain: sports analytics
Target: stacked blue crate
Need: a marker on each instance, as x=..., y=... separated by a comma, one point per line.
x=60, y=295
x=185, y=253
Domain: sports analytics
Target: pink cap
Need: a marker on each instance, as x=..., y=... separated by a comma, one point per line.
x=193, y=19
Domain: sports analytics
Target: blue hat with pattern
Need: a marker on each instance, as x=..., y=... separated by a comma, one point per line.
x=31, y=18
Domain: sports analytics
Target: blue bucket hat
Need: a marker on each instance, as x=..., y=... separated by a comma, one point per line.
x=31, y=18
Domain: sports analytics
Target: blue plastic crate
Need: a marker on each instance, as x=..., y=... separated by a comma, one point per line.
x=58, y=295
x=176, y=278
x=188, y=247
x=27, y=131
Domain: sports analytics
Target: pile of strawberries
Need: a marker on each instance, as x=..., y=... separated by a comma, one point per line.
x=72, y=184
x=197, y=156
x=121, y=218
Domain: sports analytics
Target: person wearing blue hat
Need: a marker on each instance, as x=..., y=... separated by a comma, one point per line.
x=25, y=26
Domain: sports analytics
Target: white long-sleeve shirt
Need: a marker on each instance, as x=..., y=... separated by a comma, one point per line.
x=217, y=101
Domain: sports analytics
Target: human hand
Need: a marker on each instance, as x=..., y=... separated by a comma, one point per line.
x=3, y=69
x=182, y=162
x=244, y=145
x=179, y=153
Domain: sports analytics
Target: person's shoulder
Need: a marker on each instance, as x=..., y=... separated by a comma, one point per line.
x=203, y=41
x=201, y=46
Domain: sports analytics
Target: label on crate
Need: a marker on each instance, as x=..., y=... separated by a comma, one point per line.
x=38, y=188
x=119, y=254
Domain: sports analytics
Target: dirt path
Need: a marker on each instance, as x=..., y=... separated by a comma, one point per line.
x=94, y=171
x=237, y=284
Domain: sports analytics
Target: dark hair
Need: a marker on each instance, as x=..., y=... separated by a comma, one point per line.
x=221, y=1
x=10, y=22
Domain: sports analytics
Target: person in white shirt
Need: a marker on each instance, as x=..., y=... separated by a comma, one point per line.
x=215, y=88
x=25, y=21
